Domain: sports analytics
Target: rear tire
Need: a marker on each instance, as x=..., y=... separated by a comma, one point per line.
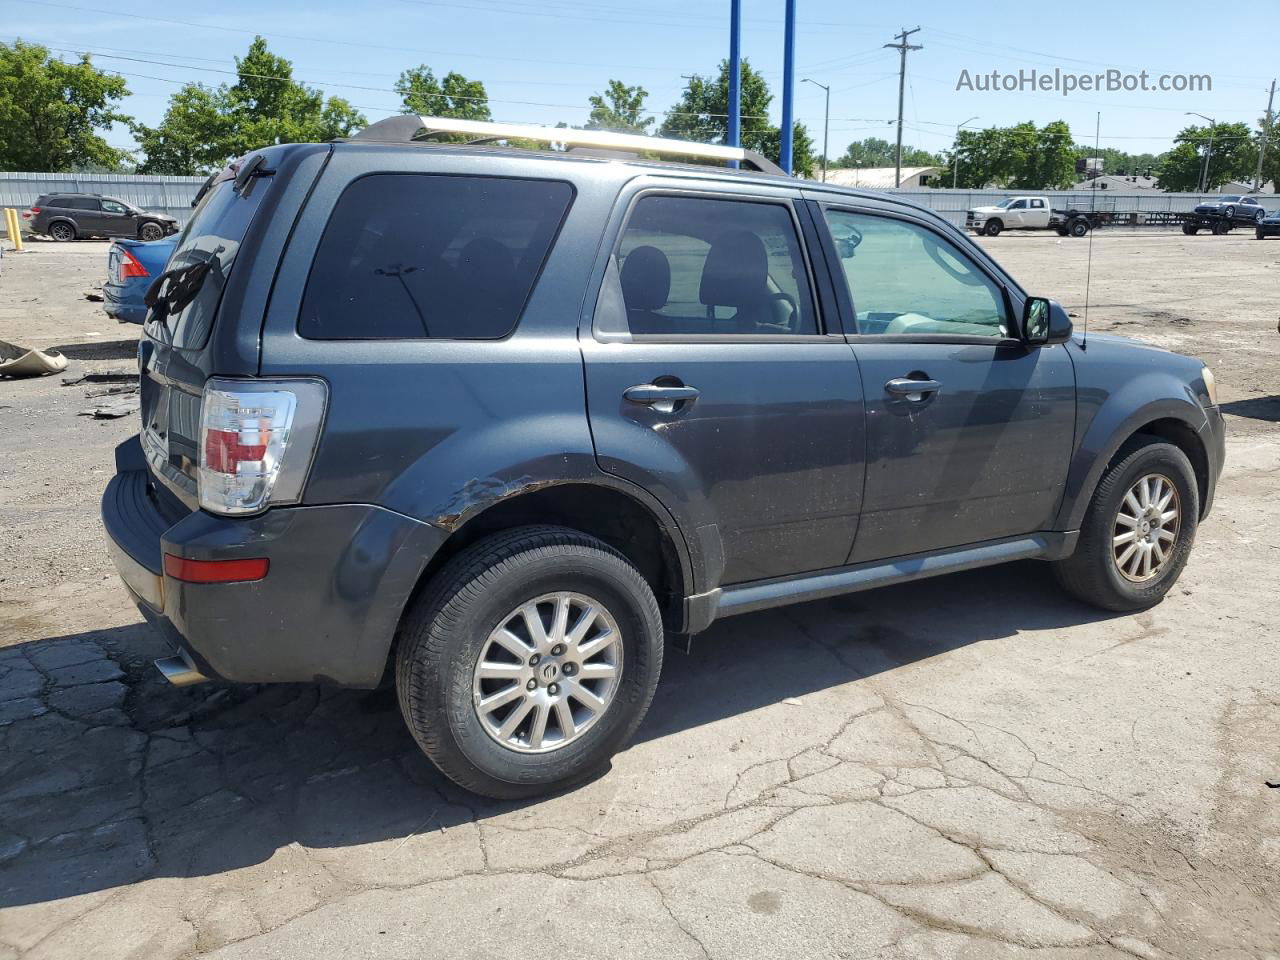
x=1189, y=230
x=1101, y=571
x=454, y=638
x=62, y=232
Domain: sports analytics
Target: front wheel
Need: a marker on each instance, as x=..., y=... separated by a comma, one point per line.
x=529, y=662
x=1079, y=227
x=151, y=231
x=1259, y=215
x=992, y=229
x=1137, y=532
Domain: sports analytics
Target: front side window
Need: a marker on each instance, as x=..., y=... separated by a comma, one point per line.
x=111, y=206
x=906, y=280
x=697, y=266
x=1018, y=205
x=416, y=256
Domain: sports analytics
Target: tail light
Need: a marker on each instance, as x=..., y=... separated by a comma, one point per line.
x=257, y=440
x=30, y=213
x=128, y=266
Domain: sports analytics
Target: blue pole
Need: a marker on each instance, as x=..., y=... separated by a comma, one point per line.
x=735, y=74
x=788, y=85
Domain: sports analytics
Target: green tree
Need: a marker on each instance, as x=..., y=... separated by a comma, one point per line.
x=1234, y=154
x=454, y=96
x=1023, y=156
x=619, y=108
x=702, y=114
x=205, y=127
x=874, y=152
x=50, y=111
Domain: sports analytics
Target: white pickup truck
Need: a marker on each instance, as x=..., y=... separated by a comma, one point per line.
x=1014, y=213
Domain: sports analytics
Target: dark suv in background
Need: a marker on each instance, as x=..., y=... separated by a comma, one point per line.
x=492, y=422
x=71, y=216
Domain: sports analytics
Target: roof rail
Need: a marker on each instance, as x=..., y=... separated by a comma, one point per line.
x=408, y=127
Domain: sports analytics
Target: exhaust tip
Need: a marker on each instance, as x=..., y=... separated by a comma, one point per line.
x=179, y=672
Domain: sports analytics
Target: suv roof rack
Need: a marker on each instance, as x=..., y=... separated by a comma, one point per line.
x=408, y=127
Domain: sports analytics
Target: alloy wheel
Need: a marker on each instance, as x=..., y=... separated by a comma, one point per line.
x=548, y=672
x=1146, y=528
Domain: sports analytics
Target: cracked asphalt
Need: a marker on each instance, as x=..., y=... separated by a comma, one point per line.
x=968, y=767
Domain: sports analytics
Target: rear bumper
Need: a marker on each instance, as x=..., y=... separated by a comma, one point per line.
x=123, y=302
x=327, y=610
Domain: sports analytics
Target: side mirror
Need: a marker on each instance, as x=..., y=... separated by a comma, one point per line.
x=1044, y=322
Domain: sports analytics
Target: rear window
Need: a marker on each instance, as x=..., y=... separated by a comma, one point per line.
x=212, y=235
x=419, y=256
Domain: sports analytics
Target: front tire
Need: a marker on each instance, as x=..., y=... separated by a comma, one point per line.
x=151, y=232
x=992, y=228
x=1079, y=227
x=529, y=662
x=1138, y=530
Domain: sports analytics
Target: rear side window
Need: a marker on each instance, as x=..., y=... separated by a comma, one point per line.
x=202, y=261
x=414, y=256
x=75, y=203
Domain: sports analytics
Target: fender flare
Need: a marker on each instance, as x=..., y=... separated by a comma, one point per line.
x=1111, y=427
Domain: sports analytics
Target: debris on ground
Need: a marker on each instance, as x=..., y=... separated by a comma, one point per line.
x=93, y=295
x=111, y=391
x=16, y=361
x=114, y=408
x=102, y=376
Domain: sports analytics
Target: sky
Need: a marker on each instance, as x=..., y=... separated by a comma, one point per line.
x=541, y=60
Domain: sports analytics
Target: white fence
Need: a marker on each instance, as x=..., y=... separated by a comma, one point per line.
x=173, y=195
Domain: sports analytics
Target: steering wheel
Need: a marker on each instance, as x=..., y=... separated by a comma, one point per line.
x=966, y=277
x=789, y=300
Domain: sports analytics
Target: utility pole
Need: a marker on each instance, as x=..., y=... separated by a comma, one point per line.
x=788, y=86
x=735, y=75
x=955, y=156
x=1204, y=169
x=826, y=123
x=902, y=47
x=1266, y=135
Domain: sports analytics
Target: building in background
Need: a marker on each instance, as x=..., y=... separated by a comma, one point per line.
x=881, y=178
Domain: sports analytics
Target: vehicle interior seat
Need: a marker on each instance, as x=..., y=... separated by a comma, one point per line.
x=646, y=287
x=736, y=274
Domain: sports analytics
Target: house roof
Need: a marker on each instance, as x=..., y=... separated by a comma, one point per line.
x=1113, y=182
x=873, y=178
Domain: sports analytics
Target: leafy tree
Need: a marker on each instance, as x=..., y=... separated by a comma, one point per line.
x=454, y=96
x=206, y=127
x=1023, y=156
x=50, y=110
x=702, y=114
x=874, y=152
x=1233, y=157
x=619, y=108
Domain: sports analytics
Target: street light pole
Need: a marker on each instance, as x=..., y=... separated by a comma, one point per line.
x=826, y=123
x=1204, y=169
x=735, y=75
x=955, y=157
x=788, y=85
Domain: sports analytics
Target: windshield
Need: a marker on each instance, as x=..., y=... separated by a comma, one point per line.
x=200, y=264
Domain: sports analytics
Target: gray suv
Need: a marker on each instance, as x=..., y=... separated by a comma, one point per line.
x=490, y=424
x=71, y=216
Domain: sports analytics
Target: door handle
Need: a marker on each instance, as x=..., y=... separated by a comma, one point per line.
x=912, y=389
x=651, y=393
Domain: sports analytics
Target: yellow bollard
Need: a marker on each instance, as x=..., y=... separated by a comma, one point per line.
x=15, y=228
